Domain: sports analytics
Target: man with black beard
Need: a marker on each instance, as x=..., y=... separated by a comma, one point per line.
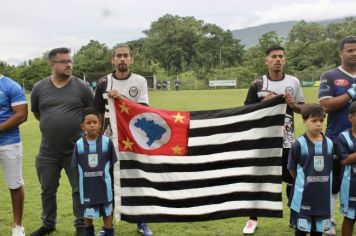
x=58, y=102
x=121, y=82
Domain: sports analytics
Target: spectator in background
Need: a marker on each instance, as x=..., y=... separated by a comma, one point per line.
x=177, y=84
x=158, y=85
x=164, y=84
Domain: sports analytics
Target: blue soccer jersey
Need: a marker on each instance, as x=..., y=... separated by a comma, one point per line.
x=347, y=145
x=332, y=84
x=93, y=160
x=311, y=192
x=11, y=94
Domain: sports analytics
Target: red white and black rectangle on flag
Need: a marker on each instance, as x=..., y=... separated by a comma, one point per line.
x=199, y=165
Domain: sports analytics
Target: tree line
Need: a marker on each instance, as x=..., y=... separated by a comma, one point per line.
x=196, y=52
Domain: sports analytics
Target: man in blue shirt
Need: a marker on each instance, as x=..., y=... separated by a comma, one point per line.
x=13, y=112
x=337, y=89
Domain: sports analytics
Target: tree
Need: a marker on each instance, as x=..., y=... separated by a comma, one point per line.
x=254, y=57
x=36, y=70
x=307, y=46
x=184, y=43
x=92, y=61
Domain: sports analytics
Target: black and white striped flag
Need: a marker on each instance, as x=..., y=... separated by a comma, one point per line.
x=230, y=166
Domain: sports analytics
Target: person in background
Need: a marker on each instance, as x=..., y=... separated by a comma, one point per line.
x=177, y=84
x=13, y=112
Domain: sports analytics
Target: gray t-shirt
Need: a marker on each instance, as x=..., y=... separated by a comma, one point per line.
x=60, y=112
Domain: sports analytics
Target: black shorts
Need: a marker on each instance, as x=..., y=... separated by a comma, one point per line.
x=336, y=171
x=286, y=177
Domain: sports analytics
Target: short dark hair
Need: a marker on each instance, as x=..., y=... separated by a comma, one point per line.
x=346, y=40
x=120, y=46
x=312, y=110
x=89, y=111
x=273, y=48
x=53, y=53
x=352, y=108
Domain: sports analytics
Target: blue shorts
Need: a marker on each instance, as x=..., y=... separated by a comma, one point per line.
x=97, y=211
x=348, y=212
x=310, y=223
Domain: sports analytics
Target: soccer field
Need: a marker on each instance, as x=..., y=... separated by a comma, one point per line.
x=171, y=100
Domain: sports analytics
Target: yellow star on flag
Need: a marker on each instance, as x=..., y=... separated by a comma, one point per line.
x=179, y=118
x=177, y=150
x=127, y=144
x=124, y=108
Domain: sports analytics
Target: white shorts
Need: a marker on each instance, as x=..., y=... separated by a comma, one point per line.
x=11, y=163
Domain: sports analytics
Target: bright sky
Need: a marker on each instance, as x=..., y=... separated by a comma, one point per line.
x=30, y=28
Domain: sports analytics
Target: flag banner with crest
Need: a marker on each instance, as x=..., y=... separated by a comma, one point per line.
x=199, y=165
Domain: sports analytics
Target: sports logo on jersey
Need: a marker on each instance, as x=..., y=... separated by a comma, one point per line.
x=133, y=91
x=289, y=90
x=324, y=88
x=319, y=163
x=150, y=130
x=341, y=82
x=93, y=160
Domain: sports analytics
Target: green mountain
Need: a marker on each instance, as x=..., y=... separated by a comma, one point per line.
x=249, y=36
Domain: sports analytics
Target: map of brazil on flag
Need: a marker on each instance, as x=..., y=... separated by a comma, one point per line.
x=180, y=166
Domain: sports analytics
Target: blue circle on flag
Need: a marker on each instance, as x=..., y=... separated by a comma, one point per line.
x=150, y=130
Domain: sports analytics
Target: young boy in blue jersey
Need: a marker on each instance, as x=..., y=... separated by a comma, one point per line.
x=347, y=154
x=94, y=155
x=310, y=163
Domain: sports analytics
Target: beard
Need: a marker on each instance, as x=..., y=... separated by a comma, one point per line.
x=122, y=68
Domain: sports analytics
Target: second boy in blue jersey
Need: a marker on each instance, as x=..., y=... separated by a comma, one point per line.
x=310, y=163
x=94, y=155
x=347, y=149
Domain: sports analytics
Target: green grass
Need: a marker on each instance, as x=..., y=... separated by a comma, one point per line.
x=172, y=100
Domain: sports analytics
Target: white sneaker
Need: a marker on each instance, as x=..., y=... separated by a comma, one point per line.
x=331, y=231
x=250, y=227
x=18, y=230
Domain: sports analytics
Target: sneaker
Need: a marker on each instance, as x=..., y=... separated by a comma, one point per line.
x=101, y=233
x=43, y=231
x=250, y=227
x=18, y=230
x=332, y=230
x=143, y=229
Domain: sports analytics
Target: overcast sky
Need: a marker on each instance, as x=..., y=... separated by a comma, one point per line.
x=30, y=28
